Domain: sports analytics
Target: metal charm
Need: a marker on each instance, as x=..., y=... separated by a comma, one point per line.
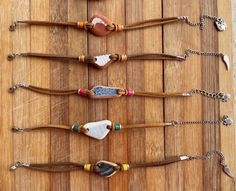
x=226, y=61
x=227, y=121
x=102, y=60
x=221, y=24
x=227, y=171
x=105, y=168
x=98, y=130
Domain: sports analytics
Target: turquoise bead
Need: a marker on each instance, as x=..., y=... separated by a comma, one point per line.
x=75, y=128
x=117, y=127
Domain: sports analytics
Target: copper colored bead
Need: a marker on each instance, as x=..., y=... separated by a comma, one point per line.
x=119, y=28
x=100, y=29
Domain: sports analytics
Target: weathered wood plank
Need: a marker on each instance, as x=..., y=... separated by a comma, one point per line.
x=117, y=108
x=153, y=76
x=78, y=107
x=136, y=106
x=7, y=180
x=227, y=135
x=181, y=77
x=27, y=109
x=59, y=106
x=39, y=111
x=31, y=147
x=211, y=110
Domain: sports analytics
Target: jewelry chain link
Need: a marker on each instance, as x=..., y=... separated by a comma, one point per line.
x=222, y=96
x=190, y=51
x=209, y=155
x=202, y=20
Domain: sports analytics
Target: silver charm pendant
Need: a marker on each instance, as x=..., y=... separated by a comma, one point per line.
x=98, y=130
x=227, y=121
x=221, y=24
x=227, y=171
x=102, y=60
x=226, y=61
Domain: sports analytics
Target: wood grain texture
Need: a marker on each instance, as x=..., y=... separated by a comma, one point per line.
x=183, y=77
x=59, y=106
x=210, y=82
x=78, y=77
x=117, y=111
x=26, y=109
x=136, y=106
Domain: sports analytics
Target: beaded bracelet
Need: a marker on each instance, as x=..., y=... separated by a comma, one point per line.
x=100, y=129
x=104, y=92
x=107, y=169
x=103, y=61
x=100, y=25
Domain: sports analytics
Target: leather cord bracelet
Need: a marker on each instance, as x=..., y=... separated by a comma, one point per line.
x=103, y=61
x=107, y=169
x=104, y=92
x=100, y=129
x=100, y=25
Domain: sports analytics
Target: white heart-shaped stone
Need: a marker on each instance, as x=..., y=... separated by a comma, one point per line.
x=102, y=60
x=98, y=130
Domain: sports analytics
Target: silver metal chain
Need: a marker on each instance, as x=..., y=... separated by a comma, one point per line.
x=209, y=155
x=202, y=22
x=222, y=96
x=225, y=121
x=200, y=53
x=223, y=56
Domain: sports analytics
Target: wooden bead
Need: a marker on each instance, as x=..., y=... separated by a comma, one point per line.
x=80, y=25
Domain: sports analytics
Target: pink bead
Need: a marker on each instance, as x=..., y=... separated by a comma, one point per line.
x=81, y=91
x=130, y=92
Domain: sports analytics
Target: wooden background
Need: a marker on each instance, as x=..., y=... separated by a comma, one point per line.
x=27, y=109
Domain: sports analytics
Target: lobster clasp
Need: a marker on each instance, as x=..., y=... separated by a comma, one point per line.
x=105, y=168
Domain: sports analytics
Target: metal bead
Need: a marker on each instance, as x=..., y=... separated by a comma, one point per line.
x=227, y=121
x=225, y=97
